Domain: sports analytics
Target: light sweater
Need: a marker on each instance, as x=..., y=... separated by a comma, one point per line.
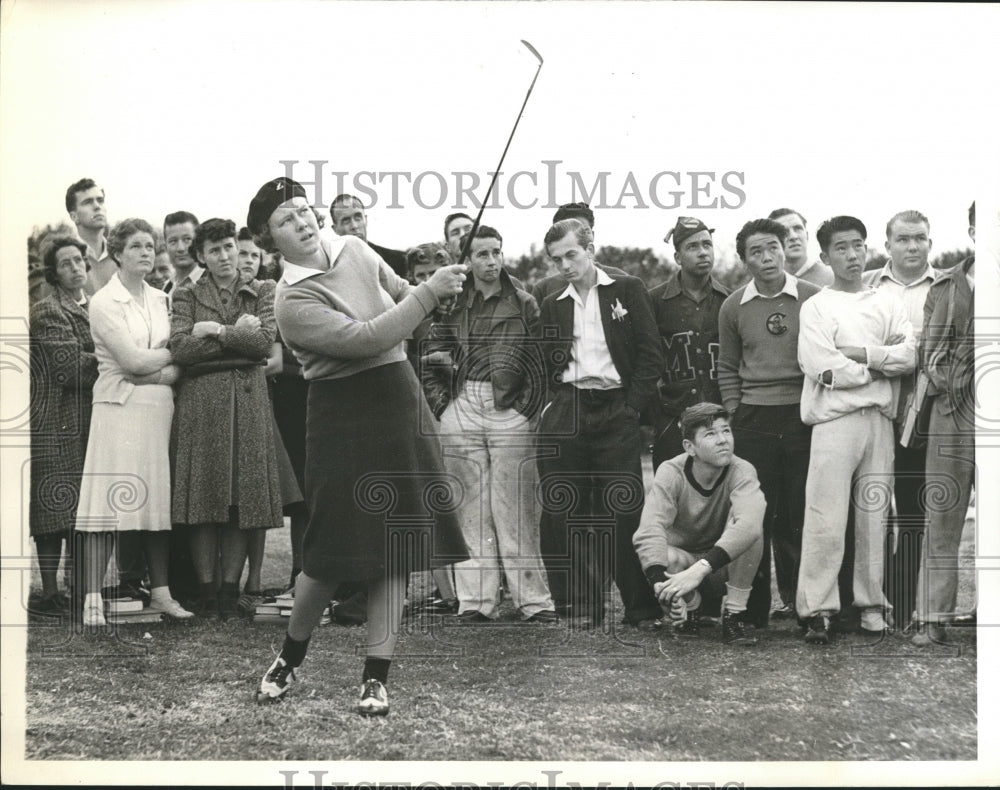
x=758, y=338
x=834, y=319
x=720, y=523
x=354, y=316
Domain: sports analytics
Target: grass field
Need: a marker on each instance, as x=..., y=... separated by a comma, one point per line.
x=503, y=691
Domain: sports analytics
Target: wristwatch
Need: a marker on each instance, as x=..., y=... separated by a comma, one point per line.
x=218, y=333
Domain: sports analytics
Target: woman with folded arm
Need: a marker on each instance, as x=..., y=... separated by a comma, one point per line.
x=225, y=476
x=126, y=474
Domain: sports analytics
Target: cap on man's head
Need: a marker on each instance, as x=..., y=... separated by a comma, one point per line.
x=684, y=228
x=269, y=197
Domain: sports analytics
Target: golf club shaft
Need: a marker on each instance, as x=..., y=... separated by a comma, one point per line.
x=496, y=173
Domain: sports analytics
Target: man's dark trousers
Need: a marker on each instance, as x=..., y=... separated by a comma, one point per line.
x=591, y=494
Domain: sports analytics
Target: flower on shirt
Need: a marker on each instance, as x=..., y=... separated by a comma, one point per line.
x=618, y=312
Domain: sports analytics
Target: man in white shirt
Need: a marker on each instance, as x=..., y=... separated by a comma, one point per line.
x=908, y=275
x=85, y=204
x=602, y=359
x=178, y=234
x=852, y=339
x=797, y=249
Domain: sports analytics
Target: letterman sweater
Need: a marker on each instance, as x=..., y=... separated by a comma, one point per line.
x=758, y=341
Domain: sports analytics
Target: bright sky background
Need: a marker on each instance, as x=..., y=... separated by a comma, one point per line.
x=829, y=108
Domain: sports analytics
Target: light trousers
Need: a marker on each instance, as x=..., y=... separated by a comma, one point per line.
x=850, y=464
x=491, y=453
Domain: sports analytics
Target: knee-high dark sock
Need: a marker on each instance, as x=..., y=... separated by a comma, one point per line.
x=376, y=669
x=294, y=650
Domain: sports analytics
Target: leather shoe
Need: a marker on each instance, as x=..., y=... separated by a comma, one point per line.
x=545, y=617
x=928, y=634
x=470, y=617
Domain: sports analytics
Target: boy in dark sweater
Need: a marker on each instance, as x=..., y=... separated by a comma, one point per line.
x=761, y=384
x=702, y=525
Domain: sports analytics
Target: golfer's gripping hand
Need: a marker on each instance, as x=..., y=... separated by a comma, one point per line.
x=447, y=281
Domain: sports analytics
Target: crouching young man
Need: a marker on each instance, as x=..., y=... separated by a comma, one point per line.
x=702, y=527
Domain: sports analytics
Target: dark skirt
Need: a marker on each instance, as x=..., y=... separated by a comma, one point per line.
x=379, y=499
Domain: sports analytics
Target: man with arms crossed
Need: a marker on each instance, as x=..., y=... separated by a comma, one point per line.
x=702, y=526
x=761, y=385
x=852, y=340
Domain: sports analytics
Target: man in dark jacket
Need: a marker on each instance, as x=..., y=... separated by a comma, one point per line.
x=946, y=357
x=483, y=381
x=602, y=359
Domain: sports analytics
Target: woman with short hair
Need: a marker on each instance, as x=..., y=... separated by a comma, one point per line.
x=126, y=474
x=64, y=369
x=371, y=450
x=226, y=484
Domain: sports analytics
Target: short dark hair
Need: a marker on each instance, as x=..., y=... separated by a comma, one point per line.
x=701, y=415
x=122, y=232
x=432, y=252
x=838, y=225
x=584, y=235
x=574, y=211
x=179, y=218
x=910, y=215
x=80, y=186
x=972, y=215
x=784, y=212
x=768, y=225
x=214, y=229
x=51, y=248
x=486, y=232
x=451, y=218
x=244, y=234
x=346, y=201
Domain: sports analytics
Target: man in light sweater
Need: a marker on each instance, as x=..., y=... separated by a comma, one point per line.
x=797, y=249
x=702, y=526
x=908, y=275
x=761, y=384
x=852, y=340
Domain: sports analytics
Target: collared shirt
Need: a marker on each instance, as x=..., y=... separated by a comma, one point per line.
x=689, y=329
x=817, y=273
x=190, y=279
x=913, y=294
x=591, y=366
x=790, y=287
x=102, y=268
x=292, y=273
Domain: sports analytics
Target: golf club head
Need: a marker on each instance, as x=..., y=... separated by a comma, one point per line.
x=533, y=51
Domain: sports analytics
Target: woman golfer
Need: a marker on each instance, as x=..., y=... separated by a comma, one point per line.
x=370, y=451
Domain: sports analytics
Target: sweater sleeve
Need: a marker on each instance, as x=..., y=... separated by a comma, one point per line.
x=746, y=513
x=730, y=353
x=658, y=515
x=818, y=352
x=311, y=323
x=898, y=359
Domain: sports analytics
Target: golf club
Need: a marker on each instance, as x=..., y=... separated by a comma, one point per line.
x=496, y=173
